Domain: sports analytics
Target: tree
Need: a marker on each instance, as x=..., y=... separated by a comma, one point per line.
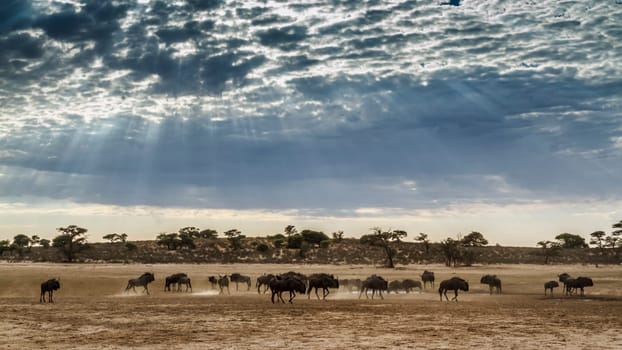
x=4, y=245
x=570, y=241
x=451, y=251
x=474, y=239
x=71, y=240
x=380, y=238
x=123, y=237
x=34, y=240
x=189, y=231
x=112, y=237
x=235, y=238
x=186, y=237
x=45, y=243
x=423, y=238
x=598, y=239
x=208, y=234
x=170, y=240
x=313, y=237
x=549, y=249
x=338, y=236
x=290, y=230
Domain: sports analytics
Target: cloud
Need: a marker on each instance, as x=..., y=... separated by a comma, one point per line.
x=321, y=108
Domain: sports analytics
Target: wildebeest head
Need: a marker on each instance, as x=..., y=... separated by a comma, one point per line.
x=585, y=281
x=563, y=277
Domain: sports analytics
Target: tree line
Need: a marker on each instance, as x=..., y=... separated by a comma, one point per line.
x=455, y=251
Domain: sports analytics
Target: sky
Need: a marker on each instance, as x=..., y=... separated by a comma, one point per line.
x=138, y=116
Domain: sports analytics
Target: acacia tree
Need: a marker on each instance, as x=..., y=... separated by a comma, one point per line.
x=208, y=234
x=451, y=251
x=423, y=238
x=383, y=239
x=235, y=238
x=170, y=240
x=549, y=249
x=570, y=241
x=474, y=239
x=71, y=240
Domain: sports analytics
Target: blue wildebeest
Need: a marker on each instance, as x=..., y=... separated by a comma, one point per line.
x=185, y=280
x=550, y=285
x=286, y=283
x=572, y=284
x=143, y=281
x=213, y=280
x=324, y=281
x=263, y=280
x=238, y=278
x=49, y=287
x=172, y=280
x=376, y=284
x=223, y=281
x=408, y=285
x=493, y=282
x=455, y=284
x=427, y=277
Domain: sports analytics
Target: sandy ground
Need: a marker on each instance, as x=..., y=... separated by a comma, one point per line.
x=93, y=312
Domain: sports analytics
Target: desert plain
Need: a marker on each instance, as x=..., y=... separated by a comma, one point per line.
x=92, y=311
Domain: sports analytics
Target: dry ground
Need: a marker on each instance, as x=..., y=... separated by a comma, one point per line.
x=92, y=312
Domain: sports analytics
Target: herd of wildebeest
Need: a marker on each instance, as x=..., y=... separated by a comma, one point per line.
x=294, y=282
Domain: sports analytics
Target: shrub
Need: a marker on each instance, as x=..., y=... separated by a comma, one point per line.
x=325, y=243
x=131, y=246
x=262, y=247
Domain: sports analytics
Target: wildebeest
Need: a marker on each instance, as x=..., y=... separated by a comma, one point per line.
x=172, y=280
x=572, y=284
x=394, y=286
x=376, y=284
x=223, y=281
x=185, y=280
x=455, y=284
x=143, y=281
x=427, y=277
x=238, y=278
x=263, y=280
x=324, y=281
x=408, y=285
x=493, y=282
x=287, y=283
x=550, y=285
x=49, y=287
x=213, y=281
x=563, y=278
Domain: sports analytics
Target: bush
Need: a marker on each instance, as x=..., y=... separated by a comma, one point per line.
x=295, y=241
x=278, y=243
x=131, y=246
x=325, y=243
x=262, y=247
x=314, y=237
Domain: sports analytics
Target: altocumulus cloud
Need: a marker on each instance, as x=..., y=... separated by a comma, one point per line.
x=327, y=105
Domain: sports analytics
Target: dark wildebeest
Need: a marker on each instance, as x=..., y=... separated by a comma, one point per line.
x=223, y=281
x=375, y=283
x=172, y=280
x=493, y=282
x=455, y=284
x=143, y=281
x=287, y=283
x=49, y=287
x=427, y=277
x=572, y=284
x=213, y=281
x=550, y=285
x=185, y=280
x=238, y=278
x=394, y=286
x=563, y=278
x=324, y=281
x=408, y=285
x=264, y=281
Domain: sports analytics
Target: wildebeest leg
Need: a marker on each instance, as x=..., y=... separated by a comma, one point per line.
x=146, y=290
x=272, y=297
x=292, y=295
x=455, y=298
x=281, y=296
x=490, y=286
x=326, y=292
x=316, y=294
